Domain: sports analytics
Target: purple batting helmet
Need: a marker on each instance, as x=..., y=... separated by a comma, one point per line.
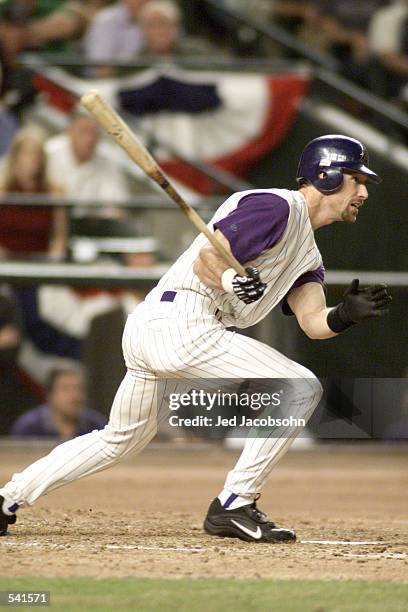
x=333, y=154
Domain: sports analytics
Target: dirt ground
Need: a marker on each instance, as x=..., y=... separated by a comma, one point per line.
x=144, y=516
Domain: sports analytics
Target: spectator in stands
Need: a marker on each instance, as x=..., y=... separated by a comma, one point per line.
x=224, y=30
x=388, y=42
x=106, y=368
x=83, y=172
x=64, y=414
x=291, y=13
x=114, y=35
x=15, y=394
x=27, y=229
x=50, y=25
x=10, y=331
x=8, y=121
x=220, y=28
x=299, y=17
x=39, y=23
x=160, y=23
x=345, y=24
x=145, y=256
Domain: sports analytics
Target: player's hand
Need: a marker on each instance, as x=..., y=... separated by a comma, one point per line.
x=248, y=288
x=359, y=304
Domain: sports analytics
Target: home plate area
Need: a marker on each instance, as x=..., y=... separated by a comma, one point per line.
x=143, y=518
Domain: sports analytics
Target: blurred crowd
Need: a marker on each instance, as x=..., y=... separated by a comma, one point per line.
x=369, y=41
x=42, y=327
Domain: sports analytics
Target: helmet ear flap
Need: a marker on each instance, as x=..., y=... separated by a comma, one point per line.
x=328, y=180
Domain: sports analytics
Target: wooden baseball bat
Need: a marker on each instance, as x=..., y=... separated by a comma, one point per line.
x=125, y=138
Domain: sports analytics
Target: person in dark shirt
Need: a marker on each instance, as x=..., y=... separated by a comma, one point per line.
x=16, y=394
x=64, y=415
x=345, y=24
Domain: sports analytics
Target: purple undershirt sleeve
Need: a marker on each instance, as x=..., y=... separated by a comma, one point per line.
x=313, y=276
x=257, y=223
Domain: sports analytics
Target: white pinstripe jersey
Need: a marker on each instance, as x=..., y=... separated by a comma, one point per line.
x=280, y=266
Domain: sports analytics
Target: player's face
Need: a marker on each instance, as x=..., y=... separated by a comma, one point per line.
x=352, y=196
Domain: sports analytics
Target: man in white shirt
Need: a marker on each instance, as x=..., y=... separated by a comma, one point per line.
x=76, y=165
x=388, y=41
x=115, y=33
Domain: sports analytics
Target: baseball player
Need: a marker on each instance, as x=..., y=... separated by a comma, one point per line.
x=180, y=332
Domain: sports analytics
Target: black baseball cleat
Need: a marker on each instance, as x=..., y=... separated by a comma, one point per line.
x=247, y=523
x=5, y=519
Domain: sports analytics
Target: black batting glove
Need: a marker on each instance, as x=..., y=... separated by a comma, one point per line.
x=358, y=305
x=248, y=288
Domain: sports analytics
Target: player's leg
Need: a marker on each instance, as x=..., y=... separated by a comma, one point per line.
x=132, y=424
x=265, y=447
x=301, y=394
x=206, y=350
x=234, y=513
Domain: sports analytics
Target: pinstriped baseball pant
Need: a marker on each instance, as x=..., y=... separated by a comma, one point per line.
x=166, y=343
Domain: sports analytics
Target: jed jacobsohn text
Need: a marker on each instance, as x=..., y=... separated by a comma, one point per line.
x=235, y=421
x=206, y=400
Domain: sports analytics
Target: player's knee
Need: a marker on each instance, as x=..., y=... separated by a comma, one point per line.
x=304, y=396
x=309, y=384
x=313, y=395
x=150, y=434
x=316, y=390
x=120, y=442
x=114, y=444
